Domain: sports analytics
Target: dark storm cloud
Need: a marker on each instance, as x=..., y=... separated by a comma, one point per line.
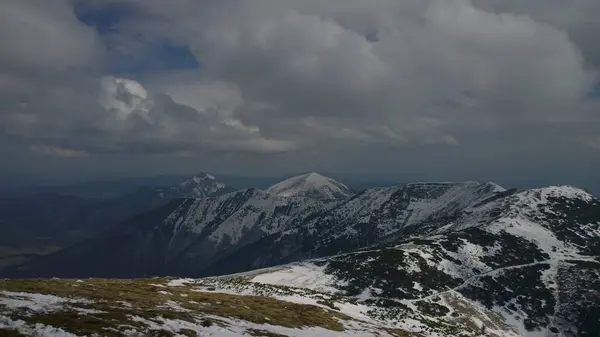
x=579, y=19
x=285, y=84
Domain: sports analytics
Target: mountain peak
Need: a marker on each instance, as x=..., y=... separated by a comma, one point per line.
x=198, y=179
x=313, y=185
x=566, y=191
x=199, y=185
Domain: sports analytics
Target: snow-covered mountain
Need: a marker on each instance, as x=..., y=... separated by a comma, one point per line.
x=182, y=237
x=532, y=269
x=372, y=217
x=200, y=185
x=311, y=185
x=423, y=259
x=252, y=228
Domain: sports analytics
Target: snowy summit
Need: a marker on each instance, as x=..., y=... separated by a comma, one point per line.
x=311, y=185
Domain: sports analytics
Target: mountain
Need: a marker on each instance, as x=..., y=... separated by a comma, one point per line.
x=109, y=212
x=253, y=228
x=311, y=185
x=531, y=270
x=201, y=185
x=36, y=219
x=179, y=238
x=40, y=221
x=368, y=218
x=474, y=260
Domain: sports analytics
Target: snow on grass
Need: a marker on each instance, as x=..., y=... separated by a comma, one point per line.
x=234, y=327
x=355, y=311
x=417, y=286
x=305, y=275
x=364, y=295
x=180, y=282
x=36, y=302
x=37, y=330
x=544, y=238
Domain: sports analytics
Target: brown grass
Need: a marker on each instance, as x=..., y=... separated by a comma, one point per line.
x=148, y=303
x=263, y=333
x=402, y=333
x=10, y=333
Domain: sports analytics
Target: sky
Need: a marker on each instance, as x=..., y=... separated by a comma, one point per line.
x=501, y=90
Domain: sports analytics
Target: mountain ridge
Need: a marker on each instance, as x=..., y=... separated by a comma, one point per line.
x=428, y=259
x=256, y=217
x=506, y=277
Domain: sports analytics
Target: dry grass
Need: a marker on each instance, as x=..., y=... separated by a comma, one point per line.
x=148, y=298
x=263, y=333
x=10, y=333
x=402, y=333
x=467, y=311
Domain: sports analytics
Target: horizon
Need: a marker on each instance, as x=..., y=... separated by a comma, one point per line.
x=353, y=180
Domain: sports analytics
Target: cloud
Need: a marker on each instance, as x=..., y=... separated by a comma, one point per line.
x=44, y=150
x=38, y=36
x=579, y=19
x=309, y=81
x=434, y=70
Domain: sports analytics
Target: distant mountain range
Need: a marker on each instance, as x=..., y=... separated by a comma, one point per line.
x=62, y=219
x=302, y=217
x=441, y=258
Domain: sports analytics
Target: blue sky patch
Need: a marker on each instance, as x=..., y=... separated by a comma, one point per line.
x=151, y=55
x=595, y=92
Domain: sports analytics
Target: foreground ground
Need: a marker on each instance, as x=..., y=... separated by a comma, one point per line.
x=166, y=307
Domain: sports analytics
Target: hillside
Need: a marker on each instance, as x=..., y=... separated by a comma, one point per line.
x=492, y=263
x=168, y=307
x=36, y=224
x=250, y=229
x=533, y=270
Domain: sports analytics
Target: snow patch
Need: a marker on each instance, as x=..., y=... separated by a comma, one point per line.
x=311, y=185
x=36, y=302
x=305, y=275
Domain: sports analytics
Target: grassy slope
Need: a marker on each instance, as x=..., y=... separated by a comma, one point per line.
x=144, y=304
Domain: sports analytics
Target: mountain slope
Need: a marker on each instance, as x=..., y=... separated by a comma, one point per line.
x=371, y=217
x=179, y=238
x=533, y=270
x=460, y=259
x=163, y=307
x=101, y=215
x=311, y=185
x=252, y=228
x=42, y=221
